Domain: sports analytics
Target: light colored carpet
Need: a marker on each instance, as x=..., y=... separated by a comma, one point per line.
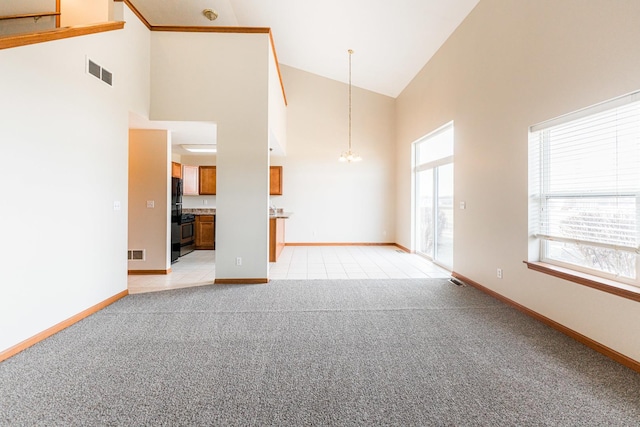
x=370, y=352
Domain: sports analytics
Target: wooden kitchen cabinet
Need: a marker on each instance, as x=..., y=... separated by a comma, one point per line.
x=276, y=238
x=207, y=180
x=275, y=180
x=190, y=180
x=205, y=232
x=176, y=170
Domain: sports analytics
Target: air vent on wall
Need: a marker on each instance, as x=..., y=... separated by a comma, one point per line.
x=97, y=71
x=135, y=254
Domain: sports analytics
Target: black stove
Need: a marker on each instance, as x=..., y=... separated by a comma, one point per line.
x=187, y=218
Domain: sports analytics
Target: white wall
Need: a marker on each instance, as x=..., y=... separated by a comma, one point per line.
x=508, y=66
x=226, y=82
x=337, y=202
x=64, y=141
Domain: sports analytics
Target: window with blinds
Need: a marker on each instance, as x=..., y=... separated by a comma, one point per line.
x=585, y=189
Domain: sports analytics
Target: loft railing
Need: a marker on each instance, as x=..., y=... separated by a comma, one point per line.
x=20, y=18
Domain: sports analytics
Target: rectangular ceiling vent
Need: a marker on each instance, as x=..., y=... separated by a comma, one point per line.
x=97, y=71
x=136, y=254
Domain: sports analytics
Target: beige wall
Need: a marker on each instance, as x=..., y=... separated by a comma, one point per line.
x=81, y=12
x=337, y=202
x=509, y=65
x=149, y=180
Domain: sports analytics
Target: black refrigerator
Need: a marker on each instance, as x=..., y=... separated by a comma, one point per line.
x=176, y=217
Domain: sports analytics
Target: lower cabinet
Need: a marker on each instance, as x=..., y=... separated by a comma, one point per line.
x=205, y=232
x=276, y=238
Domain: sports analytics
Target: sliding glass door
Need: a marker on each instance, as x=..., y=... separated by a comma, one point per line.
x=433, y=199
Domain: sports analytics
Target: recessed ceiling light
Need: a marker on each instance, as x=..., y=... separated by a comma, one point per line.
x=201, y=148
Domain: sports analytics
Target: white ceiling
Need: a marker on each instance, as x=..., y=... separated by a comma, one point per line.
x=392, y=41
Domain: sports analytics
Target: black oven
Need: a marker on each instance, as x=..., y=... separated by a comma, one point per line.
x=187, y=234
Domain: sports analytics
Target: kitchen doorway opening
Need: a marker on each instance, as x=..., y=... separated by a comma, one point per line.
x=433, y=196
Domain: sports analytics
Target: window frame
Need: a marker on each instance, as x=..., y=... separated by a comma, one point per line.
x=602, y=280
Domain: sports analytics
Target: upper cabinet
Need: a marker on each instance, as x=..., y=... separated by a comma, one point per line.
x=201, y=180
x=176, y=170
x=207, y=177
x=190, y=180
x=275, y=181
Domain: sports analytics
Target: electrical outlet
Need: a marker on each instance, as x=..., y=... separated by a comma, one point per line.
x=499, y=273
x=238, y=261
x=151, y=203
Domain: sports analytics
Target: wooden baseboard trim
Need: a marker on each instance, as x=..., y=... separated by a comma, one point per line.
x=12, y=351
x=339, y=244
x=240, y=281
x=600, y=348
x=146, y=272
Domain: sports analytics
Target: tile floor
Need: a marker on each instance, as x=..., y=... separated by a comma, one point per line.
x=301, y=263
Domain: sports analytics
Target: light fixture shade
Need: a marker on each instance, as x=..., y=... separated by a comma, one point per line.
x=349, y=156
x=201, y=148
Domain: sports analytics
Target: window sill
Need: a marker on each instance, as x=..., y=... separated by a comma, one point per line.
x=616, y=288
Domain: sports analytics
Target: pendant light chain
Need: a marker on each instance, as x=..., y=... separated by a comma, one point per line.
x=350, y=53
x=349, y=156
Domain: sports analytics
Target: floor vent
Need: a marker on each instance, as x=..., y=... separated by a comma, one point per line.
x=457, y=282
x=400, y=251
x=135, y=254
x=97, y=71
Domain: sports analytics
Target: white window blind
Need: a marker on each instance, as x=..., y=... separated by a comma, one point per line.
x=585, y=186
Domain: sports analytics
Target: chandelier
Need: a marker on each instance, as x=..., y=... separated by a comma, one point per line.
x=349, y=155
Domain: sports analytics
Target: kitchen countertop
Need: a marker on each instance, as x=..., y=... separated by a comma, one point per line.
x=212, y=211
x=284, y=215
x=199, y=211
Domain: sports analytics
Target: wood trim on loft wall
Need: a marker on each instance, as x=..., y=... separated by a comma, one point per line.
x=136, y=12
x=58, y=34
x=58, y=15
x=12, y=351
x=205, y=29
x=275, y=57
x=600, y=348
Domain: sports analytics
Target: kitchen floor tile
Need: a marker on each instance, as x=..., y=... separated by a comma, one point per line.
x=300, y=263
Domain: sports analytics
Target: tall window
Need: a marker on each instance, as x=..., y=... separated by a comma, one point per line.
x=433, y=200
x=585, y=189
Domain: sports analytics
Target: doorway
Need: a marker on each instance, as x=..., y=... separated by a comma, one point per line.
x=433, y=198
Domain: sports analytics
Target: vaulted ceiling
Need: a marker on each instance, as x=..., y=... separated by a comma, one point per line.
x=392, y=41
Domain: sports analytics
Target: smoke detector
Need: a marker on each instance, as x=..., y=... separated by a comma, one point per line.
x=211, y=14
